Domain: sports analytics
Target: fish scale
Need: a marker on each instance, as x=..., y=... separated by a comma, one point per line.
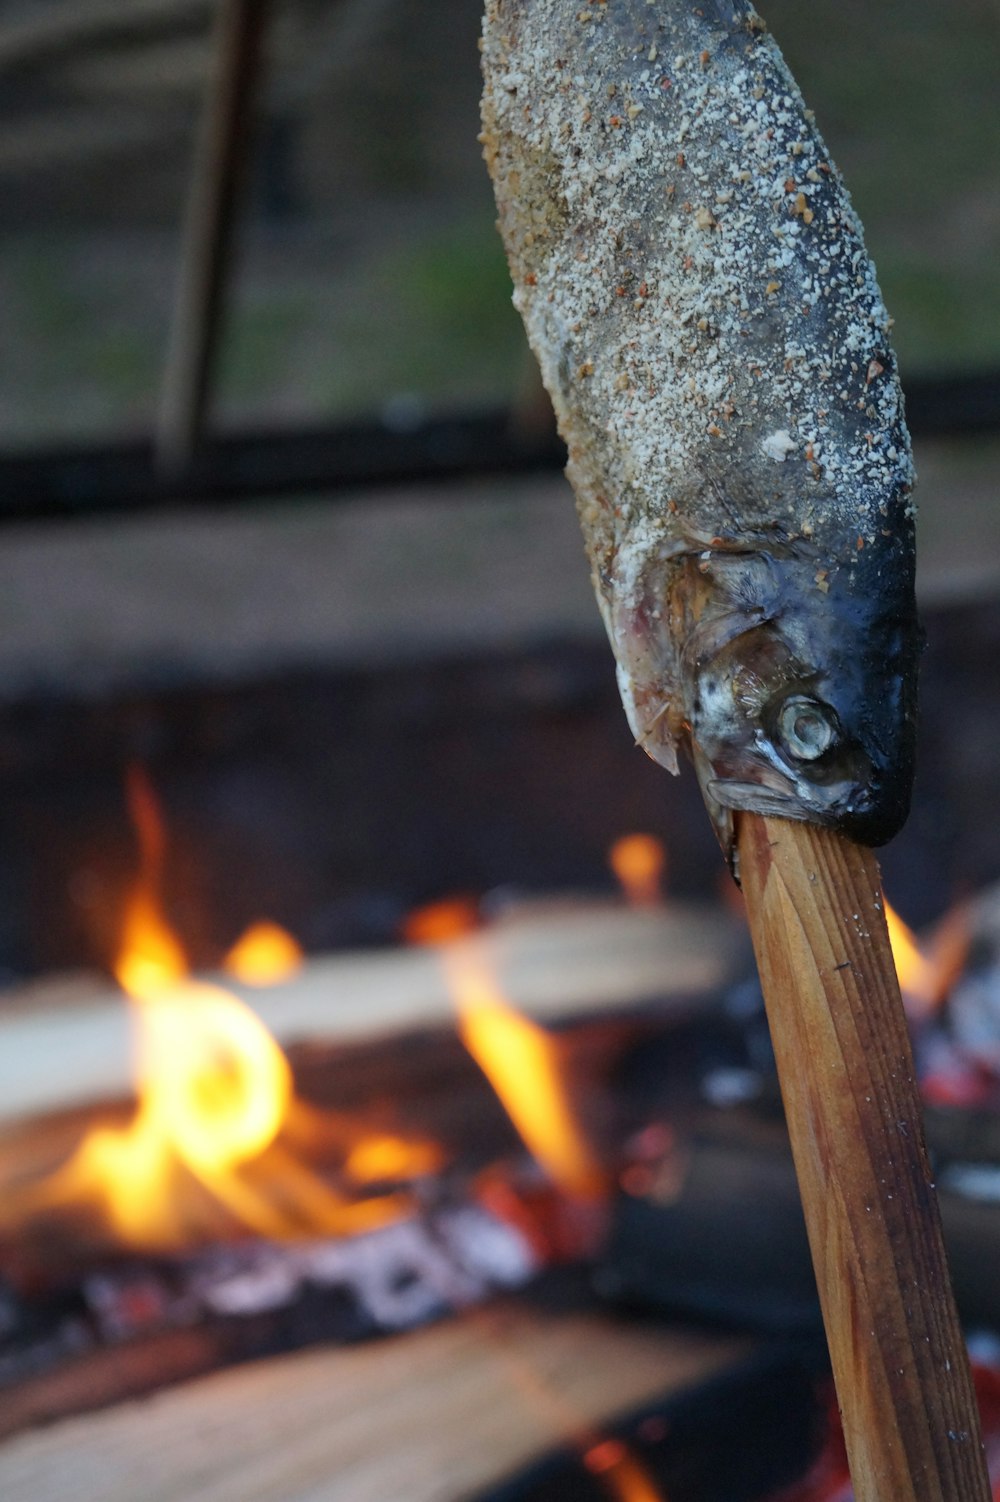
x=695, y=286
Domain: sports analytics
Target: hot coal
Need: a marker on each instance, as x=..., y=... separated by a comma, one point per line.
x=251, y=1298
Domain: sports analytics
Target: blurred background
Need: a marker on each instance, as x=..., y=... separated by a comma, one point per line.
x=353, y=640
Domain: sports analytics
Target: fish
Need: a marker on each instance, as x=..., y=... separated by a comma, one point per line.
x=694, y=283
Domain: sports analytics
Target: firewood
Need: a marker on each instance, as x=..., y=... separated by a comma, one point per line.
x=66, y=1042
x=438, y=1413
x=727, y=1241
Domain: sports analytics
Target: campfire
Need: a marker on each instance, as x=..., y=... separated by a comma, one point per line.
x=240, y=1203
x=228, y=1193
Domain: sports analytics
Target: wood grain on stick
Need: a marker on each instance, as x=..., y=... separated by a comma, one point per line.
x=854, y=1117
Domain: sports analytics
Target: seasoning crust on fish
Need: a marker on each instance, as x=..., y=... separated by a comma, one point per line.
x=695, y=286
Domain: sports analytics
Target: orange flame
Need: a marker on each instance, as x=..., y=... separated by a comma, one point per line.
x=521, y=1062
x=640, y=862
x=384, y=1157
x=920, y=978
x=518, y=1058
x=618, y=1469
x=620, y=1472
x=440, y=922
x=215, y=1096
x=263, y=956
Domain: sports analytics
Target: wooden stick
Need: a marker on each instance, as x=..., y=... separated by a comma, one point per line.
x=854, y=1117
x=209, y=231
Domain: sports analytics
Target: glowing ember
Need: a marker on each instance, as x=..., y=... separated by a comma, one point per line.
x=216, y=1099
x=522, y=1064
x=263, y=956
x=828, y=1479
x=440, y=922
x=639, y=862
x=620, y=1472
x=376, y=1159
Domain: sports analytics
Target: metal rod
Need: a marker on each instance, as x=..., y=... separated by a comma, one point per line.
x=336, y=458
x=124, y=479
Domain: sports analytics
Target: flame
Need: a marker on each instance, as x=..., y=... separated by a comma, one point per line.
x=639, y=861
x=150, y=957
x=216, y=1097
x=917, y=974
x=928, y=969
x=385, y=1157
x=518, y=1058
x=521, y=1062
x=440, y=922
x=620, y=1472
x=263, y=956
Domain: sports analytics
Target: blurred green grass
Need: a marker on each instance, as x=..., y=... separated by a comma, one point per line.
x=904, y=92
x=906, y=96
x=433, y=318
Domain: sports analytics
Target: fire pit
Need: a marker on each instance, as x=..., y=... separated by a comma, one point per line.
x=253, y=1201
x=391, y=1134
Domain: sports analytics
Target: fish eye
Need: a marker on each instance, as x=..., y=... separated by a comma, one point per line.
x=806, y=728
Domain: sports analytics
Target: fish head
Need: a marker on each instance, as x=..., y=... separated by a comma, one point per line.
x=799, y=692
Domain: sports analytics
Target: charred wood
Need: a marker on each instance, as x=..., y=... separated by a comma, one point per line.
x=718, y=1231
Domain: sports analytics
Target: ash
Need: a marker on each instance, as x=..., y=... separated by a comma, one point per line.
x=391, y=1279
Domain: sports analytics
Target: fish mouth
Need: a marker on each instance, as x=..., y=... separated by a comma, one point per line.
x=756, y=798
x=844, y=806
x=855, y=811
x=837, y=804
x=725, y=796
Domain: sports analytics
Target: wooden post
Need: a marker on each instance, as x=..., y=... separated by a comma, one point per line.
x=854, y=1117
x=208, y=234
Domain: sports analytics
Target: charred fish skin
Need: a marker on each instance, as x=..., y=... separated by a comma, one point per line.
x=694, y=283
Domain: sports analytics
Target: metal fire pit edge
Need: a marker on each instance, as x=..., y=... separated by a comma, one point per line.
x=736, y=1438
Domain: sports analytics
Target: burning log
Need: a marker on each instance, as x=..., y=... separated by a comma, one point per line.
x=131, y=1328
x=437, y=1202
x=695, y=286
x=256, y=1209
x=66, y=1042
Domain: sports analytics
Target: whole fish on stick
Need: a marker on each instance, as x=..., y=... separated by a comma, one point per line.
x=695, y=286
x=696, y=289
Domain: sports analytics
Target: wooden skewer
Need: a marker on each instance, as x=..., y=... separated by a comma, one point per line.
x=854, y=1118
